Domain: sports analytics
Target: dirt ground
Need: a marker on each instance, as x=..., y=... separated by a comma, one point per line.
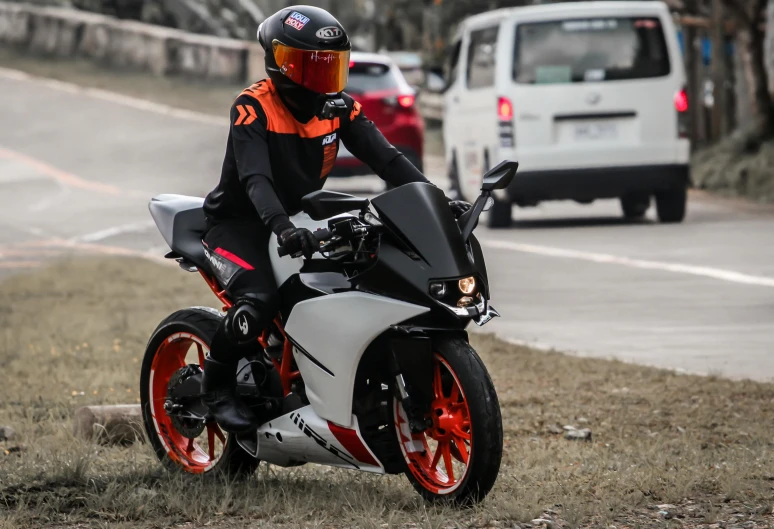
x=668, y=450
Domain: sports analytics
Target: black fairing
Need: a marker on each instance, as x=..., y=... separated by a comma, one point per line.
x=479, y=262
x=420, y=214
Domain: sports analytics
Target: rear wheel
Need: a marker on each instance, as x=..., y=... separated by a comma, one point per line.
x=635, y=205
x=177, y=348
x=499, y=215
x=458, y=458
x=671, y=205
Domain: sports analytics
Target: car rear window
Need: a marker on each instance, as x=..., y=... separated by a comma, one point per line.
x=590, y=49
x=370, y=77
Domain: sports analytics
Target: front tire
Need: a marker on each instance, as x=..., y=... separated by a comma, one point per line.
x=456, y=460
x=184, y=338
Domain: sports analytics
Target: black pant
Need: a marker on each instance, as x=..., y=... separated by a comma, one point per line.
x=238, y=251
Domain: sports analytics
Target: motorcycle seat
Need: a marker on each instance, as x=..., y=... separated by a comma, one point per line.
x=182, y=224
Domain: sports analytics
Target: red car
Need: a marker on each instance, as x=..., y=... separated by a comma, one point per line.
x=388, y=100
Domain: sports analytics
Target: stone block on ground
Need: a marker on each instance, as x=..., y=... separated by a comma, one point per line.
x=109, y=424
x=7, y=433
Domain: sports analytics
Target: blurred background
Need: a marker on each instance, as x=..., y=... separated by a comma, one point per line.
x=106, y=103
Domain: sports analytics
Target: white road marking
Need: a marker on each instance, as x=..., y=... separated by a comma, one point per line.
x=704, y=271
x=114, y=97
x=47, y=202
x=135, y=227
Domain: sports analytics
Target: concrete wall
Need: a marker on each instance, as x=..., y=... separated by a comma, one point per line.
x=122, y=44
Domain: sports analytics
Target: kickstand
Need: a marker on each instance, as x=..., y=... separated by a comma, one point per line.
x=248, y=442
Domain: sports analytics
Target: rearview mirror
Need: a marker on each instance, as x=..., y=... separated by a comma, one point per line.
x=321, y=205
x=500, y=176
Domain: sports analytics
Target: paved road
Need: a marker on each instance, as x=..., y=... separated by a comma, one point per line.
x=77, y=168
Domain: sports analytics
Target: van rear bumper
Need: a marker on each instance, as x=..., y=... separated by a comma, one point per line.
x=586, y=184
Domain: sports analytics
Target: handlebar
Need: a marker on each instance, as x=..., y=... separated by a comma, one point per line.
x=321, y=235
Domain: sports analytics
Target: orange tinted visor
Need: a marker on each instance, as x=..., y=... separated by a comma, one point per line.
x=324, y=71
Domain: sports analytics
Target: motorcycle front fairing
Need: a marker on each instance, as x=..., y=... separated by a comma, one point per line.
x=423, y=244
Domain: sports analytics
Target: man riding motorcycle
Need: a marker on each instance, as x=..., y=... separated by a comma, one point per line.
x=282, y=144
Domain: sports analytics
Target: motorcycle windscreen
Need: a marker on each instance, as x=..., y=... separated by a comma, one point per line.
x=420, y=214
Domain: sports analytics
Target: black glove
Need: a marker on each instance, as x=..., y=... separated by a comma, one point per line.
x=297, y=241
x=459, y=207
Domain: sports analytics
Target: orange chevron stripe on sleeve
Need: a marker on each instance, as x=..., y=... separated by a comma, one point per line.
x=242, y=115
x=252, y=117
x=356, y=108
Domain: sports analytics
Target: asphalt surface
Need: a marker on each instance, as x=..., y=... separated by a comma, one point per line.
x=77, y=169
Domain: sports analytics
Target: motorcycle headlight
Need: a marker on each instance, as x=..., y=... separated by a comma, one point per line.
x=467, y=285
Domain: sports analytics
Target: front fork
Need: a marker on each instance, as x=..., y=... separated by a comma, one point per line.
x=411, y=366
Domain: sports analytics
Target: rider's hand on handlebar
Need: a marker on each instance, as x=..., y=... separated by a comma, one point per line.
x=297, y=241
x=459, y=207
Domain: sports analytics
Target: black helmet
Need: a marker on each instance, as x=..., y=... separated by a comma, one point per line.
x=307, y=56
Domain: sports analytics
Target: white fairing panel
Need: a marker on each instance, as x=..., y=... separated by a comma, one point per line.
x=302, y=436
x=334, y=331
x=284, y=267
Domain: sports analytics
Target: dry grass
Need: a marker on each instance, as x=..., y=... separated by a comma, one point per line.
x=73, y=334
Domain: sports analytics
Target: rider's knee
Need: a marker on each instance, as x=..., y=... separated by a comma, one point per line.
x=247, y=319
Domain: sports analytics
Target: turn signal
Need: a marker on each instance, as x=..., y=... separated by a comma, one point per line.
x=467, y=285
x=437, y=290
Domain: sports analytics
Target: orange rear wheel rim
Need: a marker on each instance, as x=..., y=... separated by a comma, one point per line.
x=439, y=457
x=192, y=455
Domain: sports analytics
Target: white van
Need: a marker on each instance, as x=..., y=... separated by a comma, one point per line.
x=589, y=98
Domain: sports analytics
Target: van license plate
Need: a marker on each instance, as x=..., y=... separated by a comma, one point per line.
x=595, y=131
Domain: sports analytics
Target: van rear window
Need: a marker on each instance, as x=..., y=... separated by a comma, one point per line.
x=590, y=50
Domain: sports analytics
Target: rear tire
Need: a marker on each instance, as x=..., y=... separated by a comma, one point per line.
x=671, y=205
x=635, y=205
x=467, y=428
x=184, y=338
x=500, y=215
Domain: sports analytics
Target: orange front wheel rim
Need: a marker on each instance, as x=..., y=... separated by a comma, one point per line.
x=439, y=457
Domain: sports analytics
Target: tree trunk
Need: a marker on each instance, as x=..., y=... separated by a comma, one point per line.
x=719, y=125
x=689, y=35
x=749, y=44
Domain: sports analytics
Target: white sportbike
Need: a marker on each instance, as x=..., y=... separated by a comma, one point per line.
x=366, y=367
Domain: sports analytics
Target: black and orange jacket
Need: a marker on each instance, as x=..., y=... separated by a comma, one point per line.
x=272, y=160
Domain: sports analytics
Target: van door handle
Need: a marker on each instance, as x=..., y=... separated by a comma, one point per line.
x=456, y=99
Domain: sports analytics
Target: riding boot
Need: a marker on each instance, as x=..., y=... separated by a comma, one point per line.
x=220, y=397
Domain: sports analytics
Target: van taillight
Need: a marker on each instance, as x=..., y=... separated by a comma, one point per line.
x=505, y=121
x=681, y=101
x=681, y=106
x=504, y=109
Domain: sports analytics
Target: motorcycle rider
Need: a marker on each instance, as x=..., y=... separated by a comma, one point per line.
x=282, y=144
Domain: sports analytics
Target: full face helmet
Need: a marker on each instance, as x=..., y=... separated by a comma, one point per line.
x=307, y=58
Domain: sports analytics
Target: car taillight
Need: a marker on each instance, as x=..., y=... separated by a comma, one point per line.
x=505, y=119
x=504, y=109
x=403, y=101
x=681, y=106
x=406, y=101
